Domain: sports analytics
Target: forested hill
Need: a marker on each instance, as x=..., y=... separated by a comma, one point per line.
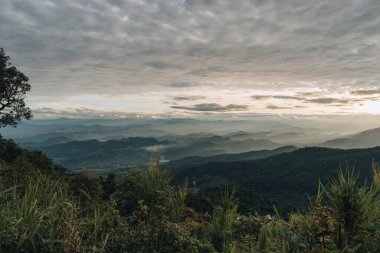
x=285, y=176
x=45, y=208
x=252, y=155
x=95, y=153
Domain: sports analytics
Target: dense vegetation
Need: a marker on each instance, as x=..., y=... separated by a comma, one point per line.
x=13, y=87
x=44, y=208
x=285, y=178
x=115, y=152
x=245, y=156
x=95, y=154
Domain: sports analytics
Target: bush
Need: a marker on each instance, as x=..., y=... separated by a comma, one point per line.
x=43, y=208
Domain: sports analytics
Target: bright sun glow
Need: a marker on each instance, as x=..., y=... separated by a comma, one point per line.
x=369, y=107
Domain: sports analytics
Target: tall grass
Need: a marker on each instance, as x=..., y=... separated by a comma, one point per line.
x=344, y=218
x=176, y=203
x=223, y=221
x=35, y=217
x=44, y=217
x=47, y=212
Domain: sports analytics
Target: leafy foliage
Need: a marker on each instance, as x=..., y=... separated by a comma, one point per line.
x=223, y=221
x=285, y=179
x=13, y=87
x=44, y=208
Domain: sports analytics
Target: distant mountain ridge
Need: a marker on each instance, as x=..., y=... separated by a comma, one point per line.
x=285, y=176
x=49, y=142
x=365, y=139
x=252, y=155
x=95, y=153
x=135, y=151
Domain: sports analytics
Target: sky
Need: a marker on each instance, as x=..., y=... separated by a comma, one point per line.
x=195, y=58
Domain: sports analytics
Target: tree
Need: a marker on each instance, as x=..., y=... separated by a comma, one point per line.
x=13, y=87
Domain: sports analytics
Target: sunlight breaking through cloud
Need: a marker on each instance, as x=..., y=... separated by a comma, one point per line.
x=224, y=50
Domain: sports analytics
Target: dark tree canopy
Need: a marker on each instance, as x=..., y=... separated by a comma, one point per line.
x=13, y=87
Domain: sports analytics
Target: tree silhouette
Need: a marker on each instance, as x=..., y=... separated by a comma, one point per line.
x=13, y=87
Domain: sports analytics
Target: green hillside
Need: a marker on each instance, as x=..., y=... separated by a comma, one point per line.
x=96, y=154
x=126, y=152
x=252, y=155
x=283, y=177
x=45, y=208
x=364, y=139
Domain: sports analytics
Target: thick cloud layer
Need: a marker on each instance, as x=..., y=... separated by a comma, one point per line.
x=138, y=53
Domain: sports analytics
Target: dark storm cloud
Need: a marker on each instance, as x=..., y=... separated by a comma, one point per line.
x=213, y=107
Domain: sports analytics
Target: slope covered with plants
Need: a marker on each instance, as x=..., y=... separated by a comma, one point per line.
x=285, y=177
x=44, y=208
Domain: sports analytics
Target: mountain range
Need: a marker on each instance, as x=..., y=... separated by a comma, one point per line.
x=134, y=151
x=110, y=149
x=286, y=177
x=369, y=138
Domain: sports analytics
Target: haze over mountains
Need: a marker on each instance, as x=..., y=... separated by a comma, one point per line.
x=265, y=156
x=288, y=178
x=116, y=143
x=369, y=138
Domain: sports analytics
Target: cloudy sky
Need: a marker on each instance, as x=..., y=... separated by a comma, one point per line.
x=196, y=57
